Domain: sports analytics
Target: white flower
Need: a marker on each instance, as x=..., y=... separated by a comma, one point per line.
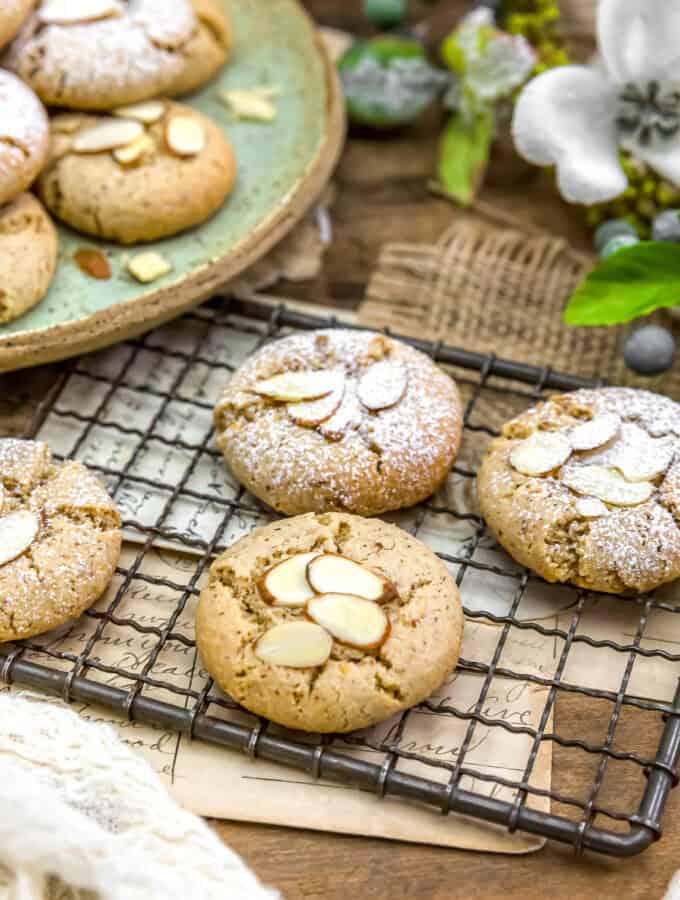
x=578, y=117
x=492, y=63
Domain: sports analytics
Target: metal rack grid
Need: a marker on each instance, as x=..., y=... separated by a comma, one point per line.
x=71, y=675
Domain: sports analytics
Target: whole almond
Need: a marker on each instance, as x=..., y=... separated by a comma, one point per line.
x=92, y=263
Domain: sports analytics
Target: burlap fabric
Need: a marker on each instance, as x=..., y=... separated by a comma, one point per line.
x=499, y=290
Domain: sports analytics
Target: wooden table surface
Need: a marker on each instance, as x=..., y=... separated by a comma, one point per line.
x=382, y=197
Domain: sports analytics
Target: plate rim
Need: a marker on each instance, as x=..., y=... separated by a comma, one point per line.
x=130, y=318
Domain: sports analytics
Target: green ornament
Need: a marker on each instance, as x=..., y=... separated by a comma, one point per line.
x=385, y=13
x=618, y=243
x=610, y=229
x=389, y=82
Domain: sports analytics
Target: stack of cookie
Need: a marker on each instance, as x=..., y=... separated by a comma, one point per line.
x=126, y=163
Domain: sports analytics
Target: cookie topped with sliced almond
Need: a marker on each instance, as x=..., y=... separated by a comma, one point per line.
x=329, y=622
x=60, y=539
x=339, y=420
x=585, y=488
x=149, y=170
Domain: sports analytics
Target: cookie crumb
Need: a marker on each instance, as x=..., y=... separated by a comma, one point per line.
x=92, y=263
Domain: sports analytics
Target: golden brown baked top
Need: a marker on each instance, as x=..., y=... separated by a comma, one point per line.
x=354, y=687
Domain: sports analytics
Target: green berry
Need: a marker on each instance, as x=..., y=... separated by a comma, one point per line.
x=388, y=81
x=385, y=13
x=611, y=229
x=618, y=243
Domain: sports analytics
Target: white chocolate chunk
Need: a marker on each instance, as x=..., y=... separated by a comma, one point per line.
x=293, y=387
x=383, y=385
x=148, y=113
x=606, y=484
x=311, y=413
x=298, y=645
x=591, y=508
x=140, y=149
x=185, y=135
x=149, y=266
x=18, y=530
x=107, y=135
x=595, y=433
x=332, y=574
x=351, y=620
x=541, y=453
x=71, y=12
x=285, y=584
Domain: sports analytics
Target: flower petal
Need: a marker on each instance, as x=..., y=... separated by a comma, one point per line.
x=640, y=39
x=664, y=158
x=566, y=117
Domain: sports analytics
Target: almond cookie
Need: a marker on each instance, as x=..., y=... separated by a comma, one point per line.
x=208, y=48
x=150, y=171
x=329, y=623
x=28, y=255
x=60, y=540
x=99, y=54
x=24, y=137
x=585, y=489
x=12, y=14
x=339, y=420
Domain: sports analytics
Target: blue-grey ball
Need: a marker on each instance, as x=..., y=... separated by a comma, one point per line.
x=611, y=229
x=649, y=350
x=617, y=243
x=666, y=226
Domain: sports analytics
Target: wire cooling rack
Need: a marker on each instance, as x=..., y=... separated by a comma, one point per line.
x=192, y=508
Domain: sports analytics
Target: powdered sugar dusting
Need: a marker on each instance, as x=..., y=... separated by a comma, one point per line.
x=358, y=459
x=636, y=546
x=24, y=130
x=71, y=555
x=130, y=57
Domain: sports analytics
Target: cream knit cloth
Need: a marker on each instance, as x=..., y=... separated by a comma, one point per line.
x=84, y=817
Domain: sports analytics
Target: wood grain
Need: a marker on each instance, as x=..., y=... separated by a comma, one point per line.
x=382, y=197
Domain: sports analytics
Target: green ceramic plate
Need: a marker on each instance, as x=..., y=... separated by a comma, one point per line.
x=282, y=168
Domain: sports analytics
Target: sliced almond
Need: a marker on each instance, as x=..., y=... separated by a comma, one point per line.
x=254, y=105
x=383, y=385
x=107, y=135
x=138, y=151
x=313, y=412
x=346, y=419
x=185, y=135
x=18, y=530
x=351, y=620
x=293, y=387
x=148, y=113
x=71, y=12
x=606, y=484
x=285, y=584
x=595, y=433
x=591, y=508
x=645, y=461
x=298, y=645
x=329, y=574
x=147, y=267
x=541, y=453
x=93, y=263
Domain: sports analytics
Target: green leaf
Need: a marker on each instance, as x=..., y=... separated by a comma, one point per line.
x=632, y=282
x=464, y=154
